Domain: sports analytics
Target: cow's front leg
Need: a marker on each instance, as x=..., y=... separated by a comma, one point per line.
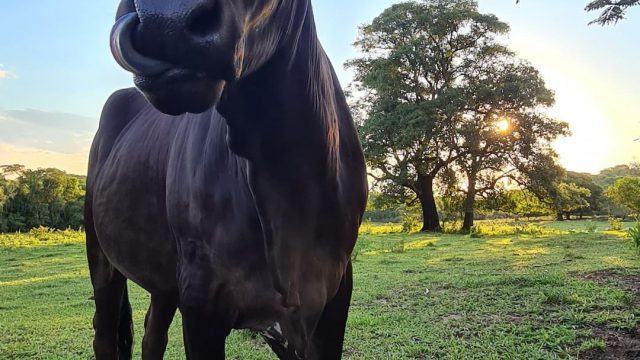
x=329, y=334
x=156, y=325
x=204, y=327
x=204, y=333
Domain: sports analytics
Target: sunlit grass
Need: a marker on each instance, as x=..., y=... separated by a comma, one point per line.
x=41, y=237
x=416, y=296
x=369, y=228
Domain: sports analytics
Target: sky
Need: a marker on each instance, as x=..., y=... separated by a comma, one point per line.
x=56, y=72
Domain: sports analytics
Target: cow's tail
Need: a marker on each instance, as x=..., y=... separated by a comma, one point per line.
x=125, y=327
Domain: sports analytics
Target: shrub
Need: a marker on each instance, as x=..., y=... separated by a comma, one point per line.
x=369, y=228
x=411, y=219
x=615, y=224
x=41, y=236
x=475, y=232
x=634, y=234
x=399, y=248
x=504, y=228
x=451, y=227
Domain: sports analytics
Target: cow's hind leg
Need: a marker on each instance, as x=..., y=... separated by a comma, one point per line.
x=329, y=334
x=113, y=336
x=156, y=325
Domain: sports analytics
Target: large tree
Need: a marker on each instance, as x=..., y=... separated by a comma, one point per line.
x=596, y=199
x=410, y=78
x=568, y=198
x=626, y=192
x=503, y=126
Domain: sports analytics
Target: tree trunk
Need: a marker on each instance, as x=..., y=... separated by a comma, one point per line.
x=568, y=215
x=430, y=218
x=467, y=224
x=469, y=204
x=559, y=216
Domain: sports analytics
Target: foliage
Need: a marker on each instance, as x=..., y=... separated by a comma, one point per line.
x=503, y=126
x=570, y=197
x=498, y=297
x=381, y=208
x=370, y=228
x=43, y=197
x=411, y=219
x=519, y=203
x=609, y=176
x=612, y=10
x=596, y=199
x=507, y=227
x=41, y=236
x=411, y=78
x=634, y=234
x=615, y=224
x=626, y=192
x=439, y=93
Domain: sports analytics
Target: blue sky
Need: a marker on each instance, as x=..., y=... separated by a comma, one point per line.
x=56, y=72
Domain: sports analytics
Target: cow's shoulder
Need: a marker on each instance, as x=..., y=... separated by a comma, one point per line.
x=122, y=106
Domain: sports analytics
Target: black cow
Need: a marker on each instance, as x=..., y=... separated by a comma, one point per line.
x=239, y=201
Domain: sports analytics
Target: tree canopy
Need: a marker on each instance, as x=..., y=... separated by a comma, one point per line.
x=43, y=197
x=434, y=86
x=626, y=192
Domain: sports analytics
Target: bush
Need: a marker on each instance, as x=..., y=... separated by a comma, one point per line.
x=634, y=234
x=475, y=232
x=504, y=228
x=370, y=228
x=451, y=227
x=41, y=236
x=615, y=224
x=411, y=219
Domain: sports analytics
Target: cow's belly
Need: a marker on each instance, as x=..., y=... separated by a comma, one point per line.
x=130, y=214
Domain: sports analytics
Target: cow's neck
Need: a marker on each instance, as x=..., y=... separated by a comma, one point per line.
x=285, y=119
x=286, y=113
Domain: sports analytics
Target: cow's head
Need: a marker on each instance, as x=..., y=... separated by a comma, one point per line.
x=183, y=52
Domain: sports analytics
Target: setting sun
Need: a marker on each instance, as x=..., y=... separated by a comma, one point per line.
x=502, y=125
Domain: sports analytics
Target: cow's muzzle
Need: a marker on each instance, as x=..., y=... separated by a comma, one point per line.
x=126, y=55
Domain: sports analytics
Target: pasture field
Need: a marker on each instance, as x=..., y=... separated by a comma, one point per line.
x=544, y=291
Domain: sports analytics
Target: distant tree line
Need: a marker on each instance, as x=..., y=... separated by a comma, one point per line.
x=614, y=192
x=42, y=197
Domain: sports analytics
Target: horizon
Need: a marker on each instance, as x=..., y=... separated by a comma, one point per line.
x=52, y=91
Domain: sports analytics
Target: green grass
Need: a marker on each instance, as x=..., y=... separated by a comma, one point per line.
x=509, y=296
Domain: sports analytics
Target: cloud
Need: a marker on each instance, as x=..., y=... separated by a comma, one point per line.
x=46, y=139
x=37, y=158
x=55, y=120
x=5, y=74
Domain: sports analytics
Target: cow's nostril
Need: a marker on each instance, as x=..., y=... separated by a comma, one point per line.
x=204, y=20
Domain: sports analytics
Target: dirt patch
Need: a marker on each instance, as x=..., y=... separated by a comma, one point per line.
x=629, y=282
x=452, y=317
x=621, y=345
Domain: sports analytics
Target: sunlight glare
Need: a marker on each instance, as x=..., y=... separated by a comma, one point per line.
x=503, y=125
